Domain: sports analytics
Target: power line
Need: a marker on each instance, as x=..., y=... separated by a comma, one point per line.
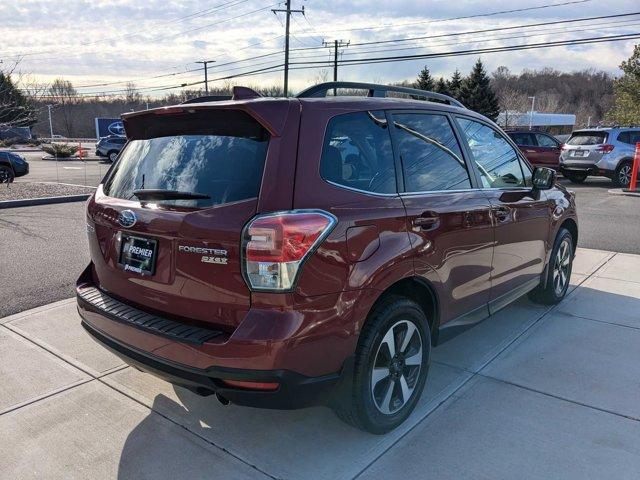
x=464, y=17
x=478, y=51
x=355, y=45
x=535, y=33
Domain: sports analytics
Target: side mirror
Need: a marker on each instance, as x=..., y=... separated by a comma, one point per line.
x=544, y=178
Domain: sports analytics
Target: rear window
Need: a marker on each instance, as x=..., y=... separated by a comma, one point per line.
x=226, y=166
x=587, y=138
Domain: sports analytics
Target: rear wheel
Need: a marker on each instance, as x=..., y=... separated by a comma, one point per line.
x=113, y=155
x=391, y=365
x=575, y=177
x=623, y=174
x=6, y=174
x=558, y=272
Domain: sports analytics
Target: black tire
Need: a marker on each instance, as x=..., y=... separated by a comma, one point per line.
x=362, y=405
x=6, y=174
x=112, y=156
x=551, y=293
x=622, y=177
x=575, y=177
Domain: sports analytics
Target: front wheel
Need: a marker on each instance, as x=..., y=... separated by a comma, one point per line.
x=391, y=366
x=113, y=156
x=558, y=272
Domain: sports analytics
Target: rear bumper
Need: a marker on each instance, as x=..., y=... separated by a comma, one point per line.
x=294, y=391
x=589, y=169
x=201, y=359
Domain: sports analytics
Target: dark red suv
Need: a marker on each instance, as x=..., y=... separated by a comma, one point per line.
x=290, y=252
x=540, y=149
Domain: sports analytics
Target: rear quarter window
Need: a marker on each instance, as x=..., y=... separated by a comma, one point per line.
x=357, y=153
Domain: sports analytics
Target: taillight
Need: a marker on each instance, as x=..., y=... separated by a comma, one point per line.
x=275, y=246
x=606, y=148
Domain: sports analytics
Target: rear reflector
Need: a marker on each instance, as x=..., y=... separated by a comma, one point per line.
x=252, y=385
x=276, y=245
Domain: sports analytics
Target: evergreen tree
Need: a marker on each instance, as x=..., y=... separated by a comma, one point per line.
x=455, y=84
x=441, y=86
x=15, y=109
x=477, y=95
x=626, y=107
x=425, y=80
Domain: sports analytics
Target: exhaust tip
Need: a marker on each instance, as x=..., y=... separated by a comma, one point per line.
x=222, y=400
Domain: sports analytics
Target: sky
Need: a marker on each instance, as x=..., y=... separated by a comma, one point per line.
x=100, y=45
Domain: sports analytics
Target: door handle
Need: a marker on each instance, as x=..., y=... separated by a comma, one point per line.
x=427, y=221
x=501, y=213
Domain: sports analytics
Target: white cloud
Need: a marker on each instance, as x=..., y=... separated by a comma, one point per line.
x=100, y=42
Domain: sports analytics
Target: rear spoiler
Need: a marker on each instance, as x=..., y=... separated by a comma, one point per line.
x=272, y=114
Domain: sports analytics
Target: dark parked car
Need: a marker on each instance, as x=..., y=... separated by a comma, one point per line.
x=12, y=165
x=110, y=146
x=283, y=253
x=541, y=149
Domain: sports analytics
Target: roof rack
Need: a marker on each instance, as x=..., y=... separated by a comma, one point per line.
x=375, y=90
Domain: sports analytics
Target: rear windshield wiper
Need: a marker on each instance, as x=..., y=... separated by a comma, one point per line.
x=160, y=194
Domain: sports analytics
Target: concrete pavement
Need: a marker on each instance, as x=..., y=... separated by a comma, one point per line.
x=43, y=249
x=532, y=392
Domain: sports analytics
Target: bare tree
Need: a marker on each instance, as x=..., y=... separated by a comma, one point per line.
x=132, y=96
x=512, y=105
x=65, y=97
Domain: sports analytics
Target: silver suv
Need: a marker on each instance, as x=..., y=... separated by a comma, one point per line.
x=600, y=151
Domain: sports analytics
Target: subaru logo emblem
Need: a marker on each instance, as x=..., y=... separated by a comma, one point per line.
x=117, y=128
x=127, y=218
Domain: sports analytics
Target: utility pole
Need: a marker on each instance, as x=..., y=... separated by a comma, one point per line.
x=336, y=44
x=206, y=63
x=288, y=12
x=533, y=102
x=50, y=123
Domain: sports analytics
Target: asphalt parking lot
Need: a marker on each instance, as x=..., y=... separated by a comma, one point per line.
x=533, y=392
x=77, y=172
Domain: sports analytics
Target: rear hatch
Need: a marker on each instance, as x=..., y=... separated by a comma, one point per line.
x=584, y=147
x=165, y=226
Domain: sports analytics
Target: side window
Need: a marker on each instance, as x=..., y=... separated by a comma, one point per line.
x=357, y=153
x=495, y=159
x=624, y=137
x=523, y=139
x=431, y=157
x=545, y=141
x=629, y=137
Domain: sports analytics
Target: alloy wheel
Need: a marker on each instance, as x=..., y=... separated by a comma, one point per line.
x=561, y=267
x=396, y=367
x=624, y=175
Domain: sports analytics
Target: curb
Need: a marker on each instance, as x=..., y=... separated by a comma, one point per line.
x=28, y=202
x=620, y=191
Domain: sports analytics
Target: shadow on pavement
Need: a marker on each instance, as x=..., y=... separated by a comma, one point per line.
x=312, y=443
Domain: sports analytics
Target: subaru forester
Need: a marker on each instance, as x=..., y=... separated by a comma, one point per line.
x=290, y=252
